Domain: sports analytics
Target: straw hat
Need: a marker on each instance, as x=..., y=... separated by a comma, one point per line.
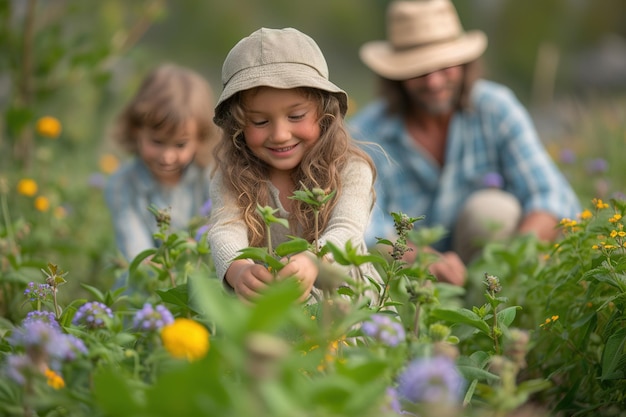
x=423, y=36
x=279, y=58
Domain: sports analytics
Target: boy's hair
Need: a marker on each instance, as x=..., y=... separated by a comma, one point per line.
x=247, y=177
x=168, y=97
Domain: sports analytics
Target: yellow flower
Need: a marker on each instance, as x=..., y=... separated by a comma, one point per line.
x=186, y=338
x=54, y=380
x=599, y=203
x=586, y=215
x=27, y=187
x=42, y=203
x=49, y=127
x=109, y=163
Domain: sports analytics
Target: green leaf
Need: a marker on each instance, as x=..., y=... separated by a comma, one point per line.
x=255, y=254
x=139, y=259
x=114, y=394
x=291, y=247
x=613, y=356
x=471, y=373
x=507, y=315
x=95, y=291
x=271, y=309
x=463, y=316
x=177, y=296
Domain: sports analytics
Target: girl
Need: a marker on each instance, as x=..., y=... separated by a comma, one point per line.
x=168, y=129
x=283, y=129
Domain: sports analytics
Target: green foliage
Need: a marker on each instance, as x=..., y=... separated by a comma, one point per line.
x=553, y=336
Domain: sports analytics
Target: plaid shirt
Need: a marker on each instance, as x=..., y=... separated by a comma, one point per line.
x=496, y=136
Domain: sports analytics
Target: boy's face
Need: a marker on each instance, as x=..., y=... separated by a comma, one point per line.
x=167, y=155
x=281, y=126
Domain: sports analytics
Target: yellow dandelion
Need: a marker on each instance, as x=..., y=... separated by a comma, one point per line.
x=616, y=217
x=586, y=215
x=595, y=247
x=27, y=187
x=613, y=233
x=555, y=318
x=42, y=203
x=186, y=339
x=109, y=163
x=49, y=127
x=54, y=380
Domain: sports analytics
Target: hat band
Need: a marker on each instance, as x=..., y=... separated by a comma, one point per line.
x=426, y=44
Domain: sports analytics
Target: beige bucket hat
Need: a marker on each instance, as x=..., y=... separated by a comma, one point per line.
x=423, y=36
x=279, y=58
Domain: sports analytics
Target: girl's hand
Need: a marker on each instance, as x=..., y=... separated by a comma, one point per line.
x=304, y=267
x=248, y=279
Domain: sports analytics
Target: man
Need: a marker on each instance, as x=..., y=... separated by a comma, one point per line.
x=458, y=149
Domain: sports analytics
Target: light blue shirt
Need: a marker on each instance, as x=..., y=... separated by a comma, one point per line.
x=132, y=189
x=496, y=135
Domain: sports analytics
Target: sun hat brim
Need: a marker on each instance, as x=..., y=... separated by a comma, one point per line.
x=393, y=64
x=282, y=75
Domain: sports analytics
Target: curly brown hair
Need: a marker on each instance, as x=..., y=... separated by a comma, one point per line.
x=169, y=96
x=246, y=176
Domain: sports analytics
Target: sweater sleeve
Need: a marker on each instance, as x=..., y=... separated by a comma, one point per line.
x=351, y=215
x=228, y=233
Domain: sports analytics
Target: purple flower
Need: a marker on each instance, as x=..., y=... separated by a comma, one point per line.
x=493, y=180
x=152, y=318
x=567, y=156
x=37, y=292
x=45, y=343
x=74, y=347
x=44, y=316
x=597, y=166
x=392, y=400
x=385, y=329
x=19, y=368
x=430, y=380
x=201, y=231
x=93, y=315
x=205, y=210
x=97, y=180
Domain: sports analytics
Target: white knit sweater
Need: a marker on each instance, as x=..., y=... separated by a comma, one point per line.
x=228, y=233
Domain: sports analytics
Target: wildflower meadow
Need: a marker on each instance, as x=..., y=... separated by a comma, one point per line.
x=539, y=329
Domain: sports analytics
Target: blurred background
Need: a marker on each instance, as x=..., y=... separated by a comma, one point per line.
x=79, y=61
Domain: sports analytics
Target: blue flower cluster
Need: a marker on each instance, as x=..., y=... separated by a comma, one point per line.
x=151, y=318
x=93, y=315
x=44, y=345
x=37, y=292
x=431, y=380
x=47, y=317
x=385, y=329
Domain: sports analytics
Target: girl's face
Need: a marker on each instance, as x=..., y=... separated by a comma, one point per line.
x=281, y=126
x=167, y=155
